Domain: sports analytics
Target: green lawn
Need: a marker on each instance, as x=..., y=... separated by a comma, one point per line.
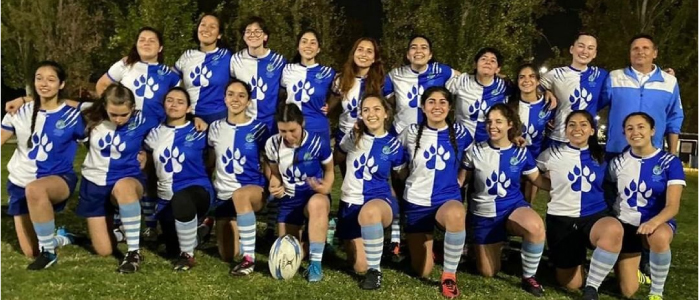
x=81, y=275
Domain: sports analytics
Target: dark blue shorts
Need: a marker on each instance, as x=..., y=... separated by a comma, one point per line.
x=224, y=209
x=18, y=201
x=96, y=200
x=419, y=219
x=492, y=230
x=291, y=208
x=210, y=118
x=348, y=227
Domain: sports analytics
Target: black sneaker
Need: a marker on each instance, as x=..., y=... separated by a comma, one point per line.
x=589, y=293
x=245, y=267
x=184, y=262
x=131, y=262
x=204, y=231
x=43, y=261
x=532, y=286
x=372, y=280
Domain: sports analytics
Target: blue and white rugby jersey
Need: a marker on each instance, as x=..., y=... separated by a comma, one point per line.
x=369, y=166
x=576, y=181
x=534, y=117
x=408, y=85
x=178, y=154
x=148, y=81
x=435, y=167
x=113, y=151
x=238, y=148
x=297, y=164
x=205, y=75
x=496, y=173
x=309, y=87
x=54, y=142
x=350, y=103
x=263, y=74
x=642, y=184
x=574, y=90
x=472, y=101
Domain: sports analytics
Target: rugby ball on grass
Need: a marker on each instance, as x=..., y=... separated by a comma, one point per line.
x=285, y=257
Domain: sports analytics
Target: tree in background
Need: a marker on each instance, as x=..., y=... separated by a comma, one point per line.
x=671, y=23
x=65, y=31
x=459, y=28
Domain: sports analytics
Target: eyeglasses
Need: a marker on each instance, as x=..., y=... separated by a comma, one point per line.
x=256, y=32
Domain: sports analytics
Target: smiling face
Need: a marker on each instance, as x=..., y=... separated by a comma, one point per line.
x=254, y=36
x=308, y=46
x=638, y=132
x=527, y=80
x=497, y=125
x=47, y=83
x=583, y=50
x=208, y=30
x=374, y=114
x=148, y=46
x=579, y=130
x=642, y=53
x=237, y=98
x=176, y=106
x=487, y=64
x=364, y=55
x=419, y=52
x=436, y=108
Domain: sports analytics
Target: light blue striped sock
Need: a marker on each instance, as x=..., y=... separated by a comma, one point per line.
x=395, y=230
x=316, y=250
x=659, y=267
x=453, y=247
x=187, y=235
x=148, y=207
x=131, y=218
x=531, y=255
x=45, y=235
x=372, y=237
x=601, y=264
x=247, y=228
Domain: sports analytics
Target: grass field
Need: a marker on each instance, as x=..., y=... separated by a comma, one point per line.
x=80, y=274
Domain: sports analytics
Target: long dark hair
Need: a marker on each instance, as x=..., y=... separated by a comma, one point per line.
x=297, y=57
x=61, y=74
x=511, y=116
x=221, y=29
x=513, y=99
x=134, y=57
x=187, y=116
x=375, y=76
x=115, y=94
x=596, y=149
x=452, y=133
x=361, y=128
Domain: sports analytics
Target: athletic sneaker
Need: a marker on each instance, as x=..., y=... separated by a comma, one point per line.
x=62, y=231
x=150, y=234
x=643, y=278
x=131, y=262
x=589, y=293
x=532, y=286
x=184, y=262
x=314, y=272
x=449, y=288
x=43, y=261
x=204, y=231
x=244, y=268
x=119, y=235
x=372, y=280
x=655, y=297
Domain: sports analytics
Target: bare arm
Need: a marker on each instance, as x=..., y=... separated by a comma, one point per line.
x=102, y=84
x=5, y=135
x=538, y=179
x=673, y=140
x=276, y=188
x=672, y=207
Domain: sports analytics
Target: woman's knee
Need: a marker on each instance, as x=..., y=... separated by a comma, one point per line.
x=34, y=191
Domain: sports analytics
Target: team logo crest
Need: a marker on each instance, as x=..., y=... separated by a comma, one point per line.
x=61, y=124
x=250, y=138
x=513, y=161
x=307, y=156
x=657, y=170
x=494, y=92
x=189, y=137
x=270, y=68
x=132, y=125
x=161, y=72
x=386, y=150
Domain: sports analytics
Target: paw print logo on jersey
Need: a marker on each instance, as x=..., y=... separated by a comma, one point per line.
x=352, y=107
x=40, y=147
x=580, y=98
x=497, y=185
x=637, y=194
x=302, y=91
x=145, y=87
x=172, y=159
x=531, y=133
x=414, y=95
x=200, y=76
x=477, y=109
x=233, y=161
x=111, y=145
x=436, y=157
x=365, y=167
x=295, y=176
x=259, y=88
x=581, y=179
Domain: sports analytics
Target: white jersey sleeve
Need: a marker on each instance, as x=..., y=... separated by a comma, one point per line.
x=118, y=70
